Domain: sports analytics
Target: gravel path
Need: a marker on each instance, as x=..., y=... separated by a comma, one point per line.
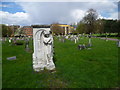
x=110, y=39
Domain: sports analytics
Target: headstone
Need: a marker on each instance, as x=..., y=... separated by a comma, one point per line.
x=59, y=39
x=14, y=41
x=66, y=37
x=90, y=43
x=75, y=40
x=81, y=47
x=79, y=35
x=83, y=34
x=11, y=58
x=10, y=40
x=106, y=37
x=89, y=48
x=118, y=43
x=5, y=39
x=27, y=44
x=43, y=50
x=72, y=38
x=63, y=39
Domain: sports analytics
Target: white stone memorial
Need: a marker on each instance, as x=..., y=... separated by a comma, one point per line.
x=43, y=49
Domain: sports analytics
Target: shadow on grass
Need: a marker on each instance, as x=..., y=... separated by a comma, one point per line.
x=54, y=58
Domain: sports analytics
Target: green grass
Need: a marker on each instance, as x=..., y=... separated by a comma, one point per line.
x=94, y=68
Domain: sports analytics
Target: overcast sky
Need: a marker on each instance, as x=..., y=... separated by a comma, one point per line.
x=27, y=13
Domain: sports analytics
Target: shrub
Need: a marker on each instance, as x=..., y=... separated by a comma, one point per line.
x=19, y=42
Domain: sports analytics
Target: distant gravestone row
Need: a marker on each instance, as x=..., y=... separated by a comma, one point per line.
x=74, y=38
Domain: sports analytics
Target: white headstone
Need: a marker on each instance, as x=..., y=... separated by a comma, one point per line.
x=75, y=40
x=43, y=49
x=90, y=43
x=9, y=40
x=118, y=43
x=66, y=37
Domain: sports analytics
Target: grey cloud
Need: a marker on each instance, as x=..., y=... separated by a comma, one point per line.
x=49, y=12
x=62, y=12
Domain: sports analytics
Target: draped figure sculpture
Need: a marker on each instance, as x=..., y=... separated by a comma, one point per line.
x=43, y=50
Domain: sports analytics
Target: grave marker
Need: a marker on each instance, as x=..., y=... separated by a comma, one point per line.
x=43, y=49
x=27, y=44
x=118, y=43
x=90, y=43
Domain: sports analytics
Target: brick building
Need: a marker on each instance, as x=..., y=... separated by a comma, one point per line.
x=28, y=30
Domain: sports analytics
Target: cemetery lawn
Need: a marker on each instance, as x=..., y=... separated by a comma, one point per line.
x=93, y=68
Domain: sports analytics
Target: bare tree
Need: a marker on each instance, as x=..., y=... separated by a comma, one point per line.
x=99, y=26
x=89, y=20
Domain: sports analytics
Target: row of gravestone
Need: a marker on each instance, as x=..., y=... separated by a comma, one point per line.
x=17, y=41
x=76, y=38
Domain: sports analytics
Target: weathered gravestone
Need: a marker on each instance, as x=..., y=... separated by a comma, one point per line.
x=43, y=50
x=63, y=39
x=72, y=38
x=10, y=40
x=11, y=58
x=66, y=37
x=3, y=40
x=106, y=38
x=80, y=47
x=75, y=40
x=27, y=44
x=90, y=43
x=118, y=43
